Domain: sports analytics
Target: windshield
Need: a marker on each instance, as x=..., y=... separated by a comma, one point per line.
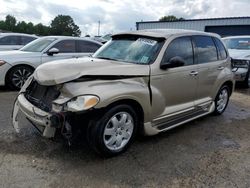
x=132, y=49
x=38, y=45
x=238, y=43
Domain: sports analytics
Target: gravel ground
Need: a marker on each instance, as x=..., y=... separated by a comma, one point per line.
x=209, y=152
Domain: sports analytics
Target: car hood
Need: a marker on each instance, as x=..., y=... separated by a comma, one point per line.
x=13, y=55
x=239, y=54
x=61, y=71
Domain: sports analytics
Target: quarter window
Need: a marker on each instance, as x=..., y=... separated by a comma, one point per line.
x=87, y=47
x=181, y=47
x=66, y=46
x=222, y=54
x=205, y=49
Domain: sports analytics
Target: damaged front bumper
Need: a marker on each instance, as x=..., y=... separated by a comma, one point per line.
x=45, y=122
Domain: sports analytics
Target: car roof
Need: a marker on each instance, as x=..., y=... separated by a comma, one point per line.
x=72, y=38
x=18, y=34
x=238, y=37
x=166, y=33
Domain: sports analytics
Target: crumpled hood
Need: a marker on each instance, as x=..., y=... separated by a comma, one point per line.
x=239, y=54
x=61, y=71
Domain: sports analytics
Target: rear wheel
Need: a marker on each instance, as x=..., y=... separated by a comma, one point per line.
x=112, y=133
x=221, y=100
x=17, y=76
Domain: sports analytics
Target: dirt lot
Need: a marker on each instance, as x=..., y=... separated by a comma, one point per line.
x=209, y=152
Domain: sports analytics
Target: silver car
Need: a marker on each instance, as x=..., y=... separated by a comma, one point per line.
x=16, y=66
x=239, y=50
x=14, y=41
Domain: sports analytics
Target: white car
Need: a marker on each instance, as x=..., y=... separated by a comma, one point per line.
x=14, y=41
x=239, y=50
x=16, y=66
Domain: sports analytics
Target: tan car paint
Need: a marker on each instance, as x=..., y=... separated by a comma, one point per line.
x=174, y=91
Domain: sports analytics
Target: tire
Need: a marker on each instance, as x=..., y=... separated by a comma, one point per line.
x=221, y=100
x=17, y=76
x=112, y=133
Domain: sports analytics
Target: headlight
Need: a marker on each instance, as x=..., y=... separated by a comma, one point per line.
x=2, y=62
x=76, y=104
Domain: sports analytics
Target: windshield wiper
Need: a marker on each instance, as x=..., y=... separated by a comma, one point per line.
x=107, y=58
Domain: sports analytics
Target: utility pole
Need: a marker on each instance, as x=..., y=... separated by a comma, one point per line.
x=99, y=24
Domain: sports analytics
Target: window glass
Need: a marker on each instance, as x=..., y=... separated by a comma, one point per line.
x=10, y=40
x=38, y=45
x=181, y=47
x=221, y=49
x=26, y=40
x=86, y=46
x=205, y=49
x=238, y=43
x=66, y=46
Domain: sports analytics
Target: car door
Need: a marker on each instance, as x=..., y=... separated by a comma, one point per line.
x=210, y=66
x=175, y=87
x=67, y=49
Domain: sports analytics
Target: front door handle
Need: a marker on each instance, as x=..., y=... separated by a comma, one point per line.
x=220, y=68
x=193, y=73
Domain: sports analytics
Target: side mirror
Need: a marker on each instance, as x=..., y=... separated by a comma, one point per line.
x=52, y=51
x=173, y=62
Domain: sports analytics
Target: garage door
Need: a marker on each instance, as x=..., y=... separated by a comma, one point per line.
x=229, y=30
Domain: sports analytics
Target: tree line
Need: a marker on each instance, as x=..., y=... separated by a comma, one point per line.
x=60, y=25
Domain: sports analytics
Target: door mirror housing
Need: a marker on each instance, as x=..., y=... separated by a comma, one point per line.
x=173, y=62
x=52, y=51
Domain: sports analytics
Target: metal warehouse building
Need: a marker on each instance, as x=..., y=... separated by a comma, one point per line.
x=222, y=26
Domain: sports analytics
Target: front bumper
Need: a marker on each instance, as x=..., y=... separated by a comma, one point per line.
x=240, y=74
x=41, y=119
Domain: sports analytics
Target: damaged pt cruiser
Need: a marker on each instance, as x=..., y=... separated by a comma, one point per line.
x=139, y=82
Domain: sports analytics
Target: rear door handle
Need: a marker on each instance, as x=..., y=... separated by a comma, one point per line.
x=220, y=68
x=193, y=73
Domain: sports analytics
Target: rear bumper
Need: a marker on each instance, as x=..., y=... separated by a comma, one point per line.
x=41, y=119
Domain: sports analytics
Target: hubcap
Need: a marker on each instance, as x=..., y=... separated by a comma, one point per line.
x=118, y=131
x=222, y=100
x=20, y=76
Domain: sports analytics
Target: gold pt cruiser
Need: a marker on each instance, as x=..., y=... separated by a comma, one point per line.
x=138, y=82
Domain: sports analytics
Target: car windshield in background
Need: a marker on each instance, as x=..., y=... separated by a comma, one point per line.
x=130, y=49
x=38, y=45
x=238, y=43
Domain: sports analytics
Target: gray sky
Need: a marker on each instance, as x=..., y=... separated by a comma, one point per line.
x=119, y=15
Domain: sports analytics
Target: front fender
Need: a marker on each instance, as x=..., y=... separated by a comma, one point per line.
x=110, y=91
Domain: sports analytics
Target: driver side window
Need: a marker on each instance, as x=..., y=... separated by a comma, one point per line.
x=66, y=46
x=180, y=47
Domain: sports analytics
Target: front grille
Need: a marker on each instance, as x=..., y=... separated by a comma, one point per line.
x=41, y=96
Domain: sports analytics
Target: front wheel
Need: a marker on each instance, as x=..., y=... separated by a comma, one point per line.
x=112, y=133
x=221, y=100
x=17, y=76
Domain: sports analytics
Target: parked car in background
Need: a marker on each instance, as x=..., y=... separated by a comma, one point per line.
x=239, y=50
x=14, y=41
x=103, y=39
x=16, y=66
x=138, y=82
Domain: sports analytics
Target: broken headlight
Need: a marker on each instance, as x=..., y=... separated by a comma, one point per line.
x=75, y=104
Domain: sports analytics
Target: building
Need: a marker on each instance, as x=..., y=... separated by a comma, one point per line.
x=223, y=26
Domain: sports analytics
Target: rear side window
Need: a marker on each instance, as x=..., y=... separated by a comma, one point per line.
x=87, y=47
x=25, y=40
x=66, y=46
x=205, y=49
x=181, y=47
x=10, y=40
x=222, y=54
